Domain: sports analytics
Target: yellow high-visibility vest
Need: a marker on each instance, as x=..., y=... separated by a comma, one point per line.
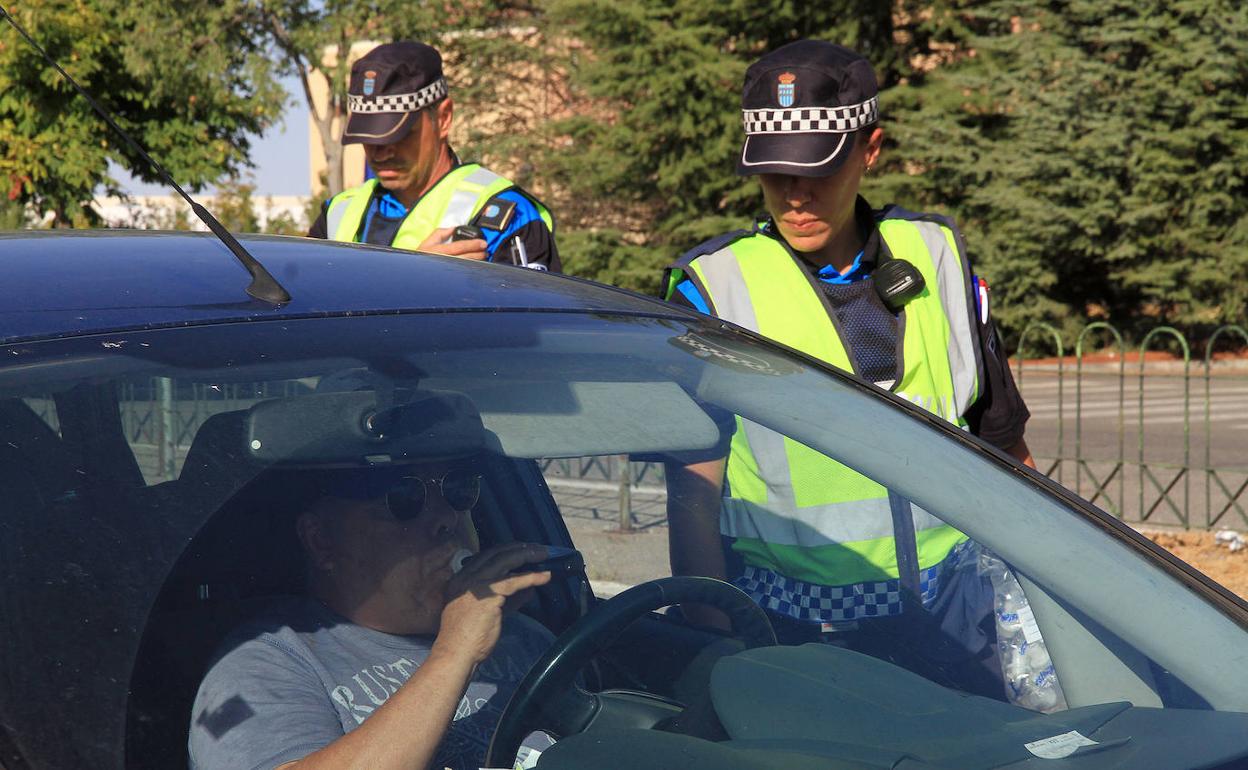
x=791, y=509
x=453, y=201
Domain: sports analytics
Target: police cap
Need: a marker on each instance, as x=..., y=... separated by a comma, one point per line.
x=388, y=86
x=802, y=106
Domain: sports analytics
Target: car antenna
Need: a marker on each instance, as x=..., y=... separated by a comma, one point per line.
x=263, y=285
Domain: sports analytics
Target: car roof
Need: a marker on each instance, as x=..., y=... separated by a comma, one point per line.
x=59, y=284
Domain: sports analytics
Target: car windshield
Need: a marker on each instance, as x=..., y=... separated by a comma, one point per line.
x=150, y=476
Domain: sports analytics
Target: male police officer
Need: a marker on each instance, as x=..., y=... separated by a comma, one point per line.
x=885, y=294
x=401, y=113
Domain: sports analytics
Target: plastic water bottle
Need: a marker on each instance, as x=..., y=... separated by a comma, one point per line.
x=1030, y=678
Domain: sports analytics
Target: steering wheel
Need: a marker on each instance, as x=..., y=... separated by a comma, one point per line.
x=549, y=699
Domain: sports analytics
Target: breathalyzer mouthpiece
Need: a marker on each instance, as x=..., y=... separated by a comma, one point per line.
x=458, y=559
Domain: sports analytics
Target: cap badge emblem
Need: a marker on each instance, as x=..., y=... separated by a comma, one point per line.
x=786, y=89
x=370, y=82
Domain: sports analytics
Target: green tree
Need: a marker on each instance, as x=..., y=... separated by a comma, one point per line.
x=284, y=223
x=12, y=215
x=188, y=80
x=645, y=168
x=233, y=206
x=1093, y=152
x=309, y=35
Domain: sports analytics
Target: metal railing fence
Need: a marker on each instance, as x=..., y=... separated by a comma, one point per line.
x=160, y=416
x=1160, y=470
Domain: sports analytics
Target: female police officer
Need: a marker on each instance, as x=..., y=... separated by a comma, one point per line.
x=886, y=294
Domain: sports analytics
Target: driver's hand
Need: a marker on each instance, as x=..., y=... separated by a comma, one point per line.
x=481, y=592
x=439, y=242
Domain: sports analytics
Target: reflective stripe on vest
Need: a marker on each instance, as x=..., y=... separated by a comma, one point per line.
x=470, y=194
x=794, y=510
x=453, y=201
x=793, y=517
x=933, y=249
x=806, y=516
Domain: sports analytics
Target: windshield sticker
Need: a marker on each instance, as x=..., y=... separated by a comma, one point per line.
x=1059, y=745
x=713, y=352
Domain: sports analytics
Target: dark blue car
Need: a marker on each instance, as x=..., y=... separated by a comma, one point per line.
x=158, y=423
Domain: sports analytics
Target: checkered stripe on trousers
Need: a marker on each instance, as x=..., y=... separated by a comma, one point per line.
x=837, y=120
x=814, y=603
x=417, y=100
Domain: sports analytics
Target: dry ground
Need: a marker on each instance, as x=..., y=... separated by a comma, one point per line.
x=1215, y=560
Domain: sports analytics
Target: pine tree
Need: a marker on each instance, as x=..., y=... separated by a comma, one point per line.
x=1093, y=152
x=645, y=168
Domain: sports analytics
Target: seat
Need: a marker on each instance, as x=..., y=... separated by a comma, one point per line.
x=34, y=457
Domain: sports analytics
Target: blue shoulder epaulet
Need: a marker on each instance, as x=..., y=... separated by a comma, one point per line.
x=710, y=247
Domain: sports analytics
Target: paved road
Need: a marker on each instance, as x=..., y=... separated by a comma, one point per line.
x=1109, y=412
x=614, y=559
x=1168, y=405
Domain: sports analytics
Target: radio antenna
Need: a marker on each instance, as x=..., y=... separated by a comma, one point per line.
x=263, y=285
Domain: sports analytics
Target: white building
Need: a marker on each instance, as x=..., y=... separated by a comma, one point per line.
x=168, y=212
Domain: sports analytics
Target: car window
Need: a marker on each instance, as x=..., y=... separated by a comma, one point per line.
x=156, y=474
x=616, y=512
x=44, y=407
x=161, y=415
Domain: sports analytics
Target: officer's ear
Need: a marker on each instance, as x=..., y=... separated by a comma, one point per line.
x=444, y=115
x=874, y=136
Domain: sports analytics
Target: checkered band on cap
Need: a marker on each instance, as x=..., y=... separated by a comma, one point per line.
x=816, y=120
x=417, y=100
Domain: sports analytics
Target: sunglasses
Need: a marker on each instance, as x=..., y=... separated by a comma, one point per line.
x=459, y=488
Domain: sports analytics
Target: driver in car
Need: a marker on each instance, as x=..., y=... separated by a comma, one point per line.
x=393, y=659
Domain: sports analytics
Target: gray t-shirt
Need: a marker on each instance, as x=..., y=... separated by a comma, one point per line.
x=294, y=681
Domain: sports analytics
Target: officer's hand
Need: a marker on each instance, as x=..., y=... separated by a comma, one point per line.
x=483, y=590
x=439, y=242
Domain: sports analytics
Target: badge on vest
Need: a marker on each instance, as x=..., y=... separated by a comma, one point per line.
x=496, y=214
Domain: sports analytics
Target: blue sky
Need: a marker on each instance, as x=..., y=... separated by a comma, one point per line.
x=280, y=156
